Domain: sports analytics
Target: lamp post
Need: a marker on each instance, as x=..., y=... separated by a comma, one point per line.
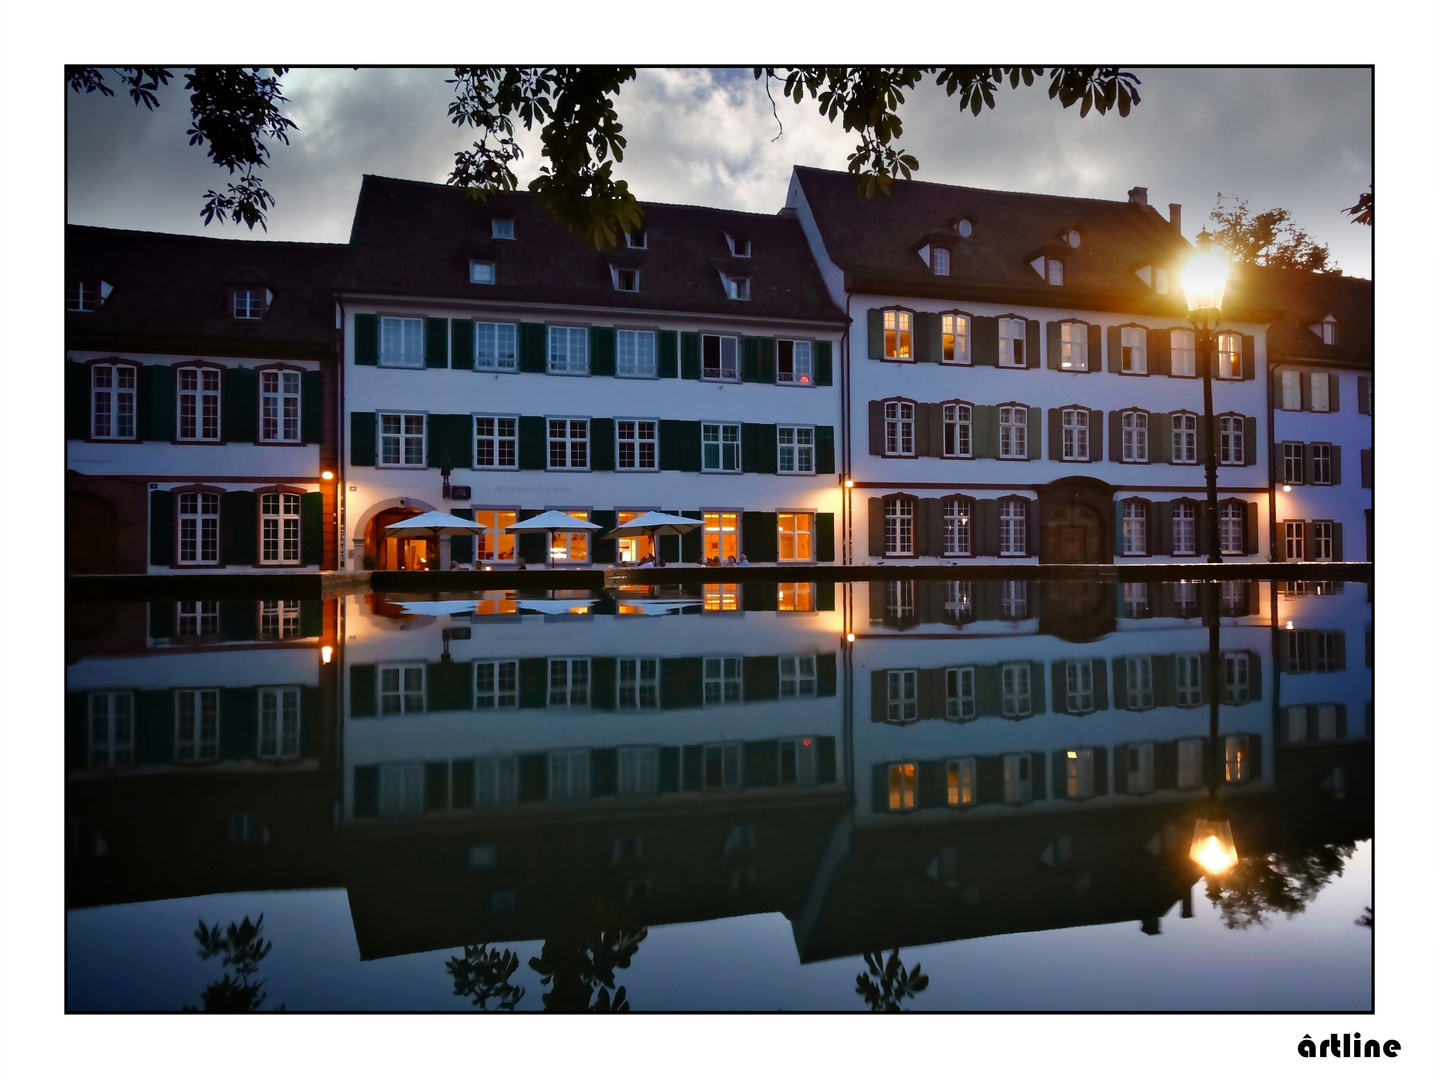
x=1204, y=280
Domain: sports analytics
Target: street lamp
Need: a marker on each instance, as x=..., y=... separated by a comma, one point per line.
x=1204, y=280
x=1213, y=845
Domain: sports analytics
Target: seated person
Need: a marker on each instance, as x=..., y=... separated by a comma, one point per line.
x=743, y=560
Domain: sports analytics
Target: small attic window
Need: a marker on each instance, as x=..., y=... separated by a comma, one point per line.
x=250, y=303
x=1162, y=280
x=963, y=227
x=636, y=239
x=1327, y=330
x=502, y=228
x=736, y=288
x=1054, y=272
x=85, y=294
x=1073, y=238
x=940, y=261
x=482, y=272
x=739, y=248
x=625, y=280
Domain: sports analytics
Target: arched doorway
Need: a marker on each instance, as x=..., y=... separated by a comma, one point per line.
x=1073, y=533
x=392, y=553
x=91, y=535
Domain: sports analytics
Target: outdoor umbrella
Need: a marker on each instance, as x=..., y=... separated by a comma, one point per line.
x=551, y=521
x=553, y=607
x=655, y=523
x=437, y=607
x=432, y=526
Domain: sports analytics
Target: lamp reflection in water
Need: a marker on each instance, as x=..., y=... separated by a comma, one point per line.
x=326, y=652
x=1213, y=846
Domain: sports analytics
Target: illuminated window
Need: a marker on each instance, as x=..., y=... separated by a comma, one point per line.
x=1132, y=350
x=899, y=335
x=279, y=723
x=111, y=729
x=903, y=782
x=797, y=761
x=495, y=544
x=1079, y=774
x=797, y=676
x=1237, y=759
x=571, y=547
x=793, y=363
x=402, y=688
x=497, y=684
x=723, y=679
x=955, y=339
x=1074, y=346
x=722, y=535
x=960, y=693
x=901, y=703
x=795, y=536
x=1182, y=352
x=796, y=596
x=632, y=549
x=960, y=782
x=569, y=683
x=722, y=596
x=1227, y=356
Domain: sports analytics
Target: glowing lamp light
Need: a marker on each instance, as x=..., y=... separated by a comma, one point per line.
x=326, y=652
x=850, y=637
x=1071, y=754
x=805, y=742
x=1286, y=489
x=805, y=379
x=1213, y=848
x=327, y=475
x=1289, y=624
x=849, y=483
x=1204, y=277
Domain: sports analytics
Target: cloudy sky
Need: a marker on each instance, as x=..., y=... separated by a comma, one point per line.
x=1293, y=137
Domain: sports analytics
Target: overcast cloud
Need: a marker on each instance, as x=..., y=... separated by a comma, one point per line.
x=1298, y=138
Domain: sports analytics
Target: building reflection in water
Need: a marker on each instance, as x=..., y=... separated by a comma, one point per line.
x=985, y=757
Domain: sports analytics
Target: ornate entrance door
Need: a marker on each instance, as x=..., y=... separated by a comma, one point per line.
x=1072, y=534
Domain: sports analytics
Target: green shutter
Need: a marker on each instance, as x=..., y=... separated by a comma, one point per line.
x=690, y=446
x=162, y=528
x=240, y=405
x=689, y=355
x=602, y=350
x=1053, y=346
x=367, y=339
x=530, y=547
x=239, y=620
x=462, y=343
x=602, y=444
x=825, y=539
x=682, y=682
x=929, y=339
x=668, y=455
x=760, y=678
x=437, y=343
x=1160, y=437
x=824, y=450
x=77, y=400
x=824, y=373
x=1112, y=341
x=876, y=333
x=532, y=343
x=312, y=419
x=312, y=618
x=362, y=690
x=437, y=441
x=750, y=360
x=157, y=403
x=1032, y=343
x=162, y=619
x=448, y=686
x=362, y=438
x=1055, y=434
x=691, y=544
x=669, y=354
x=606, y=549
x=986, y=527
x=462, y=548
x=767, y=360
x=1032, y=433
x=985, y=431
x=759, y=538
x=531, y=437
x=985, y=343
x=312, y=529
x=239, y=528
x=1097, y=434
x=240, y=723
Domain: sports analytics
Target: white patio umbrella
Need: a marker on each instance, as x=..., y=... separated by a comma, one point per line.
x=432, y=526
x=553, y=607
x=437, y=607
x=656, y=523
x=551, y=521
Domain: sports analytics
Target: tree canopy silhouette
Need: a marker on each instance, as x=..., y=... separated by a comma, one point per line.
x=483, y=975
x=889, y=982
x=1284, y=882
x=242, y=948
x=1266, y=237
x=579, y=968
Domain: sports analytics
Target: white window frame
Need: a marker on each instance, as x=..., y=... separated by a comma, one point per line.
x=637, y=771
x=1190, y=764
x=1134, y=437
x=1012, y=334
x=1135, y=596
x=960, y=700
x=497, y=780
x=496, y=346
x=1079, y=773
x=248, y=304
x=798, y=676
x=1014, y=432
x=1291, y=399
x=197, y=618
x=801, y=362
x=722, y=679
x=1327, y=723
x=279, y=619
x=400, y=789
x=1074, y=434
x=899, y=428
x=903, y=782
x=568, y=682
x=197, y=405
x=1236, y=671
x=1182, y=353
x=1019, y=777
x=197, y=725
x=726, y=365
x=1184, y=597
x=496, y=684
x=958, y=416
x=1184, y=438
x=1014, y=526
x=1135, y=527
x=721, y=539
x=113, y=404
x=641, y=441
x=502, y=228
x=731, y=768
x=1074, y=346
x=280, y=405
x=960, y=782
x=635, y=354
x=279, y=528
x=631, y=237
x=795, y=449
x=902, y=701
x=202, y=546
x=1229, y=362
x=899, y=525
x=1132, y=350
x=736, y=288
x=1232, y=439
x=406, y=442
x=496, y=438
x=1189, y=689
x=402, y=342
x=567, y=350
x=1327, y=651
x=959, y=514
x=1232, y=528
x=940, y=261
x=1294, y=541
x=1322, y=541
x=803, y=761
x=1324, y=458
x=1054, y=271
x=1079, y=687
x=482, y=272
x=1319, y=391
x=110, y=729
x=1016, y=693
x=1139, y=766
x=1183, y=523
x=959, y=607
x=1139, y=683
x=625, y=279
x=899, y=327
x=1292, y=460
x=278, y=738
x=82, y=294
x=571, y=435
x=899, y=601
x=955, y=339
x=408, y=694
x=796, y=533
x=724, y=447
x=567, y=775
x=637, y=684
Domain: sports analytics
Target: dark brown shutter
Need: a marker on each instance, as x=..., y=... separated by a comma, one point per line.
x=878, y=711
x=1115, y=444
x=929, y=345
x=877, y=526
x=1160, y=437
x=877, y=428
x=1362, y=386
x=1112, y=340
x=1056, y=434
x=1367, y=468
x=985, y=527
x=876, y=337
x=1337, y=547
x=1057, y=686
x=1247, y=356
x=1335, y=457
x=1097, y=434
x=1052, y=346
x=1334, y=392
x=922, y=429
x=1032, y=343
x=1162, y=532
x=1093, y=346
x=985, y=340
x=1304, y=391
x=1250, y=437
x=935, y=421
x=1098, y=684
x=1157, y=349
x=1154, y=518
x=1252, y=528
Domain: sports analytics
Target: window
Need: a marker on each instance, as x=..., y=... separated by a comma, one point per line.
x=722, y=679
x=899, y=526
x=1014, y=600
x=199, y=522
x=497, y=684
x=637, y=684
x=1326, y=723
x=1074, y=346
x=1132, y=350
x=1327, y=331
x=636, y=239
x=738, y=247
x=940, y=261
x=1012, y=342
x=958, y=606
x=402, y=688
x=1013, y=425
x=1190, y=772
x=402, y=439
x=569, y=443
x=720, y=447
x=1297, y=652
x=1139, y=683
x=496, y=544
x=402, y=342
x=1293, y=458
x=569, y=775
x=796, y=449
x=1319, y=391
x=795, y=596
x=402, y=789
x=1183, y=438
x=280, y=406
x=1134, y=528
x=797, y=676
x=1290, y=399
x=82, y=294
x=1237, y=678
x=1079, y=687
x=279, y=619
x=1054, y=272
x=797, y=761
x=1134, y=437
x=899, y=335
x=497, y=781
x=903, y=780
x=1182, y=352
x=1162, y=280
x=279, y=527
x=1232, y=529
x=1012, y=526
x=249, y=303
x=1079, y=774
x=279, y=723
x=1183, y=528
x=1323, y=550
x=1075, y=435
x=502, y=228
x=482, y=272
x=1323, y=454
x=960, y=693
x=899, y=602
x=960, y=782
x=569, y=352
x=957, y=430
x=1237, y=759
x=1139, y=765
x=1294, y=541
x=496, y=442
x=625, y=279
x=198, y=404
x=571, y=547
x=495, y=348
x=958, y=512
x=1232, y=440
x=721, y=766
x=1182, y=594
x=1136, y=596
x=721, y=596
x=197, y=619
x=722, y=535
x=900, y=429
x=955, y=339
x=112, y=729
x=901, y=703
x=796, y=537
x=1188, y=690
x=736, y=288
x=719, y=358
x=1296, y=724
x=197, y=725
x=637, y=771
x=112, y=401
x=635, y=354
x=793, y=363
x=1233, y=597
x=1017, y=778
x=569, y=683
x=635, y=446
x=1015, y=690
x=1227, y=356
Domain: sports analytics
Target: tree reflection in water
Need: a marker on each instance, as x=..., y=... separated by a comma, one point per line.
x=483, y=975
x=1285, y=881
x=242, y=948
x=578, y=968
x=888, y=983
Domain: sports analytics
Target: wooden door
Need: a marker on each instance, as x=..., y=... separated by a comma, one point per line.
x=1073, y=534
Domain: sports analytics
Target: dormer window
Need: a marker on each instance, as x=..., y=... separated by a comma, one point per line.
x=250, y=303
x=636, y=240
x=940, y=262
x=963, y=228
x=736, y=288
x=739, y=248
x=1054, y=272
x=82, y=294
x=502, y=228
x=1327, y=330
x=625, y=280
x=482, y=272
x=1162, y=280
x=1073, y=238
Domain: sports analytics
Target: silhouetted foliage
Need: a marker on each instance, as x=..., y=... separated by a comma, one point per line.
x=1266, y=238
x=1366, y=920
x=483, y=975
x=889, y=982
x=1284, y=882
x=576, y=969
x=242, y=948
x=1363, y=212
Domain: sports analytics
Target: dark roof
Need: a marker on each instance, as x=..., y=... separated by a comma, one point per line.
x=875, y=242
x=172, y=293
x=416, y=239
x=1303, y=299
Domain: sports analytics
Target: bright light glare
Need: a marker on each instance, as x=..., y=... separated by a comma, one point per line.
x=1204, y=279
x=1214, y=848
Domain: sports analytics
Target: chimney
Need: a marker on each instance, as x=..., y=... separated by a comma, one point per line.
x=1175, y=217
x=1140, y=196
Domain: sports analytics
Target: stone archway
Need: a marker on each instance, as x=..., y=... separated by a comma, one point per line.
x=1076, y=521
x=368, y=537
